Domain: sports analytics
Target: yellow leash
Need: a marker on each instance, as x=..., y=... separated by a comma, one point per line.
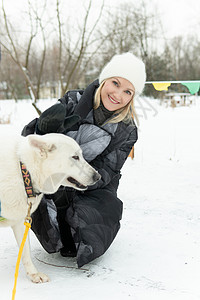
x=27, y=223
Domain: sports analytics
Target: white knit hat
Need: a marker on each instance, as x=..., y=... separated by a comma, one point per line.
x=128, y=66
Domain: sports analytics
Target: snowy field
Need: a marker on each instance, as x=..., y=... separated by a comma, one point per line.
x=156, y=254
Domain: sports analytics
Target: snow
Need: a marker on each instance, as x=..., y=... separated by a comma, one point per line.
x=156, y=254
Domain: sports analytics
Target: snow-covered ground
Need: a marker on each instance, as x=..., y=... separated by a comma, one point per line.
x=156, y=254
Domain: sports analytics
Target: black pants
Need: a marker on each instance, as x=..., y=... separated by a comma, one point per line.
x=62, y=200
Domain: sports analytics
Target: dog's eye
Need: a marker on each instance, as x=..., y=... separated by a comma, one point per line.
x=75, y=157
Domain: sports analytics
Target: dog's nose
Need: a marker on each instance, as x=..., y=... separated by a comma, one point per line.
x=96, y=176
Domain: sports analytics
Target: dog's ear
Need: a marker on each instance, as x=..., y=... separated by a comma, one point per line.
x=40, y=144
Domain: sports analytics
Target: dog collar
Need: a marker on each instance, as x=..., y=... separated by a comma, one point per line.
x=27, y=182
x=28, y=186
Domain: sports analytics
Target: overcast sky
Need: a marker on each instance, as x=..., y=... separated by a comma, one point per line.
x=178, y=16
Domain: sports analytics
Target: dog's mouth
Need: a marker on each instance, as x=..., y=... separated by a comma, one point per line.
x=76, y=183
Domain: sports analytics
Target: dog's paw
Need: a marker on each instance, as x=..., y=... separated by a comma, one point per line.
x=38, y=277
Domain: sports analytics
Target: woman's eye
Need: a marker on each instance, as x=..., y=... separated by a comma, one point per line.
x=128, y=92
x=75, y=157
x=115, y=82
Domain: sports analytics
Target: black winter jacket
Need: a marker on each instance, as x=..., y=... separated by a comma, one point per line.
x=93, y=215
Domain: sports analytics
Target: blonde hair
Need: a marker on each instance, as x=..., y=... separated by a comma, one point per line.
x=126, y=114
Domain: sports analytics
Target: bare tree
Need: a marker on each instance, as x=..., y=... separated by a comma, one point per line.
x=132, y=27
x=184, y=53
x=75, y=48
x=22, y=58
x=72, y=53
x=11, y=78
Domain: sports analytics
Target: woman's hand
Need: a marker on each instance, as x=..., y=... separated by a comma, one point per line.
x=53, y=120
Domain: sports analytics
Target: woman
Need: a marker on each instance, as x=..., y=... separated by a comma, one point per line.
x=100, y=119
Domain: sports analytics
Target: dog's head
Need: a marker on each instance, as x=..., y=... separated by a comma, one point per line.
x=57, y=160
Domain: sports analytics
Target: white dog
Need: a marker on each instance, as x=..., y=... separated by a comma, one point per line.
x=52, y=160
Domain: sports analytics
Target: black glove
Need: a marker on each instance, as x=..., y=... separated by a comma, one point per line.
x=53, y=120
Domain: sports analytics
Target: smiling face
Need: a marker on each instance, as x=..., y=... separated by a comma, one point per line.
x=116, y=93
